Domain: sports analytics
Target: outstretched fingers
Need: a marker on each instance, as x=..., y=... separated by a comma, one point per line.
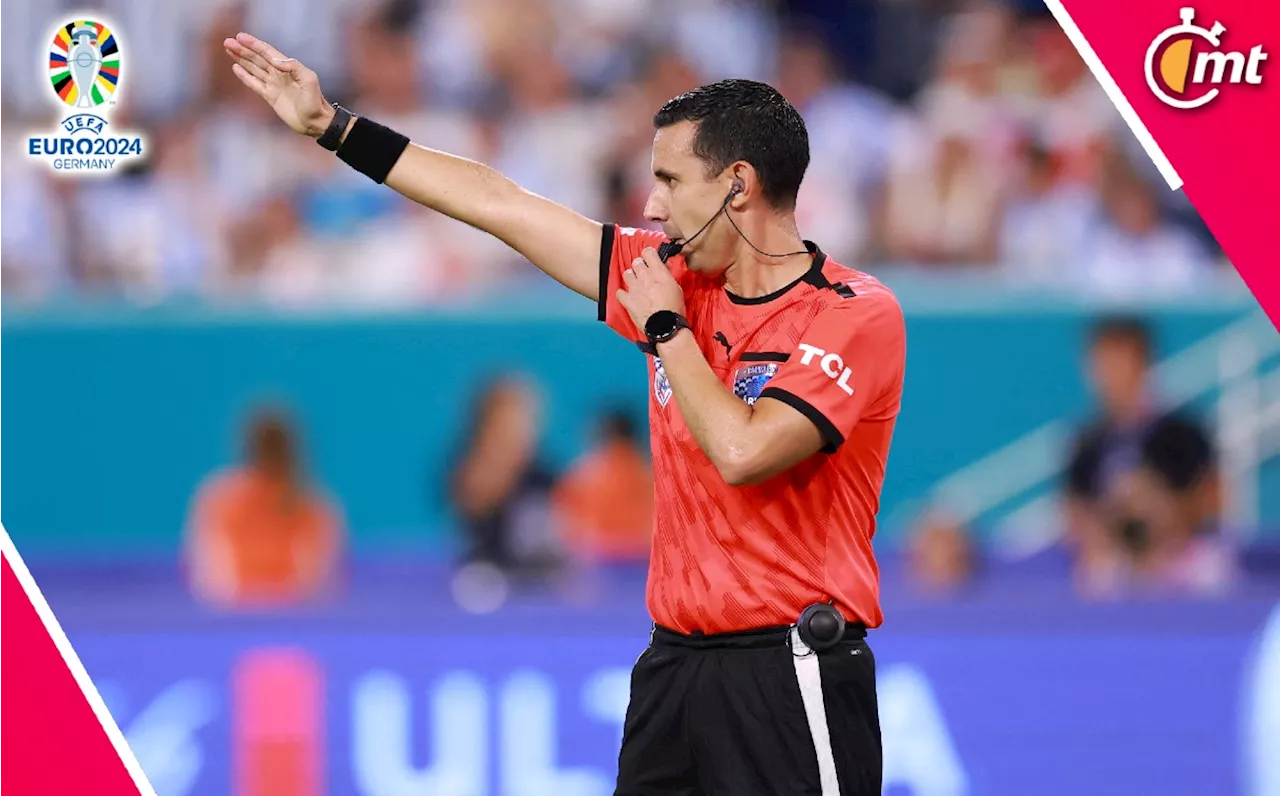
x=269, y=54
x=249, y=66
x=258, y=87
x=247, y=56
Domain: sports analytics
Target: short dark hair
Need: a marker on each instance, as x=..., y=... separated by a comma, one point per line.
x=1124, y=329
x=617, y=424
x=271, y=440
x=749, y=121
x=1039, y=156
x=398, y=16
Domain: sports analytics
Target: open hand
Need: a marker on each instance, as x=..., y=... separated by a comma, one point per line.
x=649, y=287
x=291, y=89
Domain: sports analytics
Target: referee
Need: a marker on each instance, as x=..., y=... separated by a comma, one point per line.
x=775, y=382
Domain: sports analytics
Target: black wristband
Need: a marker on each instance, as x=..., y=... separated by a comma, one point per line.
x=372, y=149
x=332, y=137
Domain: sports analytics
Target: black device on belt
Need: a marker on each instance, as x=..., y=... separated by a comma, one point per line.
x=821, y=626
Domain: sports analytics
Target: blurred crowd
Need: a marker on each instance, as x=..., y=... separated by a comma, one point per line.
x=263, y=533
x=946, y=136
x=1141, y=499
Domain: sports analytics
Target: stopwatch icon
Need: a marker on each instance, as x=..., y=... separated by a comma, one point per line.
x=1187, y=28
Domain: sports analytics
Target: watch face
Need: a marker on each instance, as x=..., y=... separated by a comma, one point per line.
x=661, y=325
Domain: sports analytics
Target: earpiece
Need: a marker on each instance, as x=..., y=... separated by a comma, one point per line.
x=671, y=248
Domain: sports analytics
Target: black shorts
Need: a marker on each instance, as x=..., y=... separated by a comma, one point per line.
x=751, y=714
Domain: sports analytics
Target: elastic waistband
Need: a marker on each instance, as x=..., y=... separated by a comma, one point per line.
x=756, y=638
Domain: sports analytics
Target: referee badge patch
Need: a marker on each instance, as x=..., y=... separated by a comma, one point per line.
x=749, y=380
x=661, y=386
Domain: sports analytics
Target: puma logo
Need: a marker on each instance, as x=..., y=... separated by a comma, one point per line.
x=724, y=341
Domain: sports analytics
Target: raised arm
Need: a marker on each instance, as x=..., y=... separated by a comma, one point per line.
x=561, y=242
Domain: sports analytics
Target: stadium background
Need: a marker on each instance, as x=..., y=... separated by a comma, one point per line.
x=146, y=316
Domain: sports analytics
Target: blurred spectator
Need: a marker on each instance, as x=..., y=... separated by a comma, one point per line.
x=38, y=249
x=945, y=208
x=1067, y=111
x=966, y=95
x=1134, y=251
x=940, y=555
x=1143, y=491
x=554, y=143
x=352, y=239
x=230, y=169
x=1046, y=222
x=605, y=500
x=743, y=43
x=1167, y=530
x=848, y=127
x=629, y=173
x=260, y=534
x=946, y=161
x=246, y=158
x=499, y=489
x=161, y=241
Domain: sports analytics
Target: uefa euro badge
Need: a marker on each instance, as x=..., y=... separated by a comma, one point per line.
x=85, y=71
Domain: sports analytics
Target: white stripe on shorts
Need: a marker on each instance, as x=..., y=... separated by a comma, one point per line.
x=810, y=678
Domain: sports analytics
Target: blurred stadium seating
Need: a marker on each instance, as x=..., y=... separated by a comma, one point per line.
x=961, y=152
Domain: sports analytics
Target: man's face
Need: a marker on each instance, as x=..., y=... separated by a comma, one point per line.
x=1118, y=371
x=684, y=198
x=1134, y=210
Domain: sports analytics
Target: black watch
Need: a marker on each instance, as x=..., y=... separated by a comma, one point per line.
x=332, y=137
x=663, y=325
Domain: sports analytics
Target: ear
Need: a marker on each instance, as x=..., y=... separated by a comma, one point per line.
x=746, y=181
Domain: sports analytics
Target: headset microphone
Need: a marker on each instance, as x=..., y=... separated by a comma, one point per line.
x=671, y=248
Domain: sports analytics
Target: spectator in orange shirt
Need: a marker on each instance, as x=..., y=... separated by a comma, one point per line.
x=605, y=500
x=259, y=533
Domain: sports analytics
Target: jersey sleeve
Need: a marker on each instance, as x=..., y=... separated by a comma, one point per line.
x=619, y=246
x=847, y=367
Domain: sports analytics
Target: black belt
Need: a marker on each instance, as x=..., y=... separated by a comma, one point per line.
x=756, y=638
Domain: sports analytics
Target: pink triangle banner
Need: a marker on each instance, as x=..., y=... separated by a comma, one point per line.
x=1199, y=84
x=58, y=737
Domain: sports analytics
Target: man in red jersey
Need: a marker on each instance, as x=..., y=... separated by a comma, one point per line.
x=775, y=378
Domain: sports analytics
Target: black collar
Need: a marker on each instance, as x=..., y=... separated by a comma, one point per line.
x=813, y=276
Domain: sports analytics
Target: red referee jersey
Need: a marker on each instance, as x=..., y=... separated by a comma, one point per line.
x=832, y=345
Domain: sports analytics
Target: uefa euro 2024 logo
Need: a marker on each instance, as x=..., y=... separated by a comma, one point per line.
x=1170, y=60
x=85, y=71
